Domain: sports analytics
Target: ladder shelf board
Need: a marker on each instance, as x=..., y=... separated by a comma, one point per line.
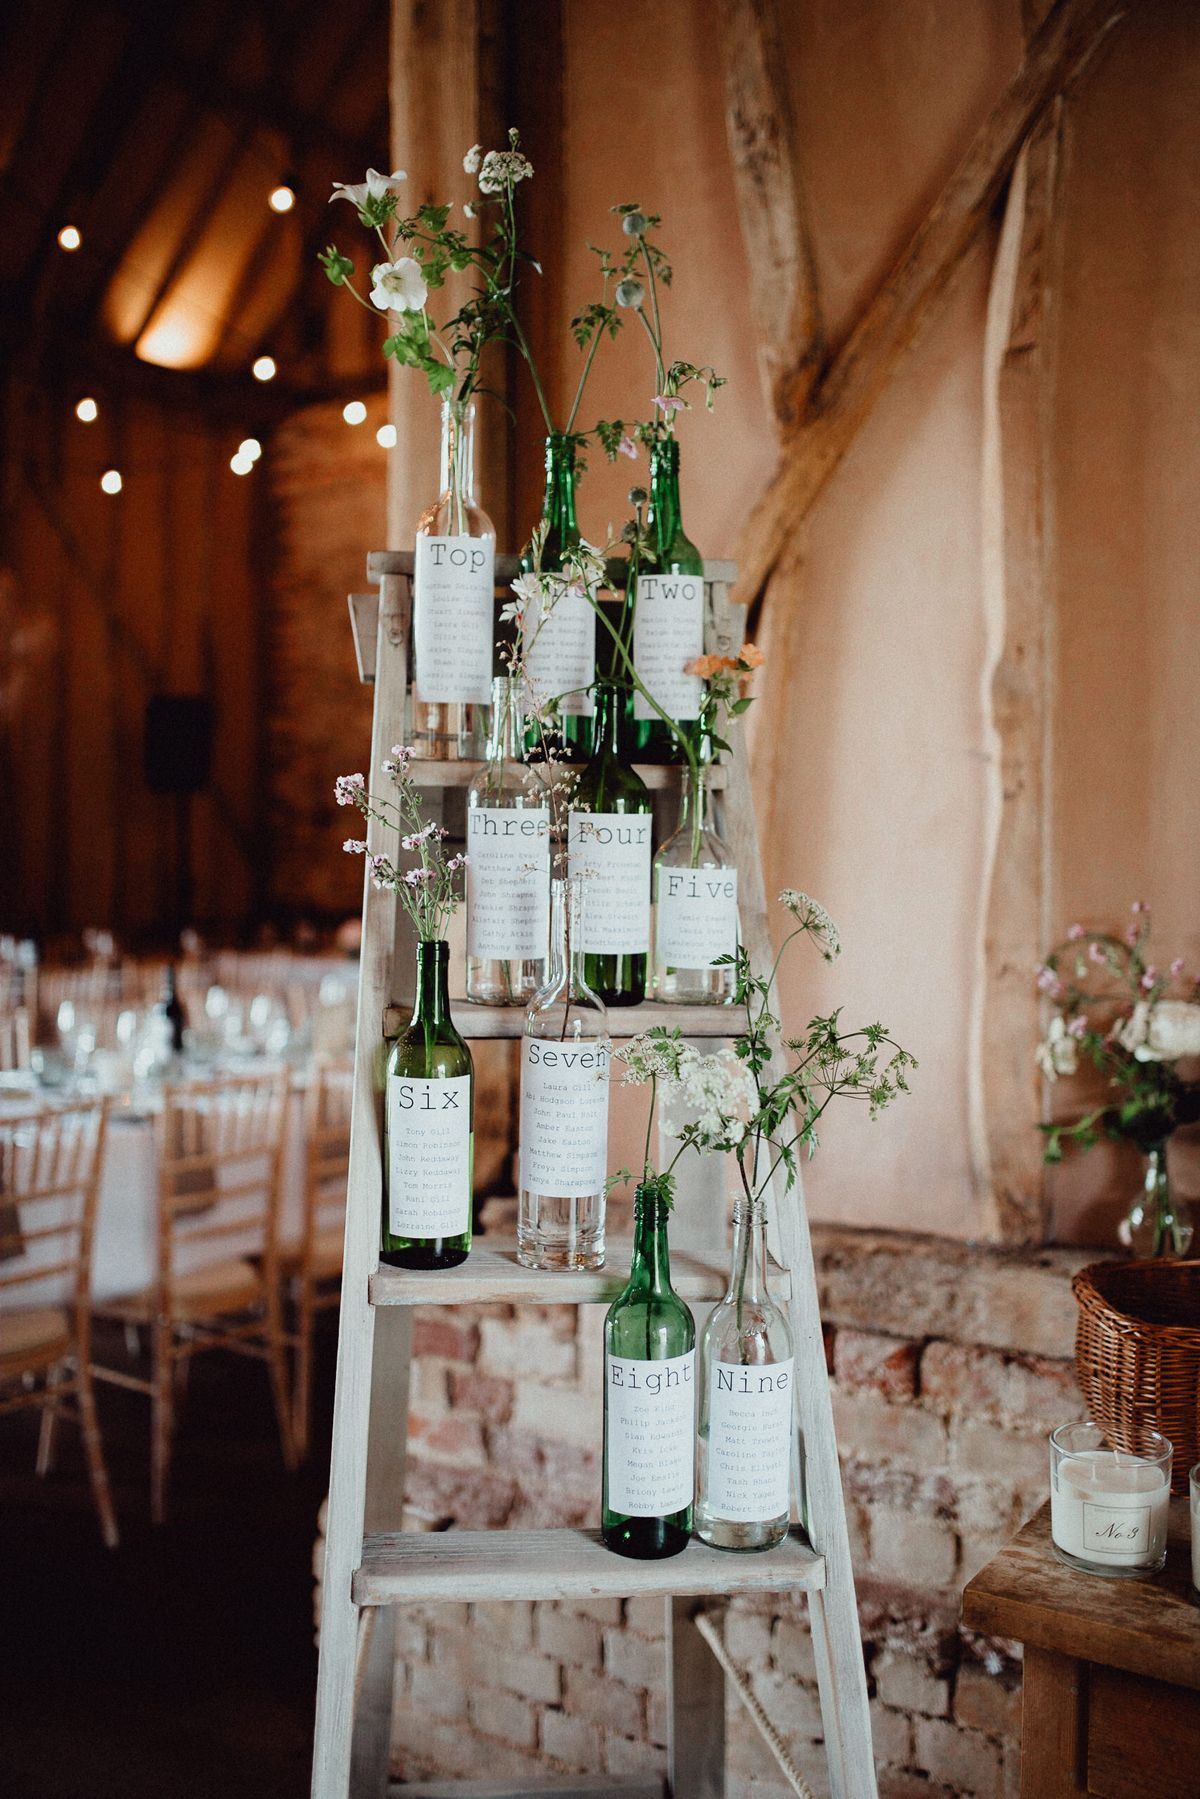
x=479, y=1022
x=480, y=1565
x=431, y=772
x=564, y=1786
x=491, y=1274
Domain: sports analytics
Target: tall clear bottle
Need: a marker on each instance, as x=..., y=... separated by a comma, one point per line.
x=610, y=829
x=561, y=648
x=564, y=1105
x=429, y=1141
x=746, y=1403
x=668, y=618
x=649, y=1399
x=695, y=904
x=454, y=601
x=508, y=865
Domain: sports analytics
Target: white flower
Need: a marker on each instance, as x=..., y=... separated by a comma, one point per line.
x=502, y=167
x=468, y=210
x=375, y=187
x=1059, y=1053
x=812, y=917
x=1161, y=1033
x=716, y=1094
x=399, y=286
x=473, y=158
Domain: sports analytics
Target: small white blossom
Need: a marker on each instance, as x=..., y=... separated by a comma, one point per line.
x=502, y=168
x=472, y=159
x=1059, y=1052
x=468, y=210
x=812, y=917
x=375, y=187
x=1161, y=1033
x=399, y=286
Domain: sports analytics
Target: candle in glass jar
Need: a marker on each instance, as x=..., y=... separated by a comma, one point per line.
x=1108, y=1510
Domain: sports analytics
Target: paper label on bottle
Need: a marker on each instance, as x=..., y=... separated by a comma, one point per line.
x=668, y=631
x=454, y=606
x=559, y=633
x=508, y=882
x=651, y=1444
x=610, y=852
x=429, y=1155
x=696, y=916
x=564, y=1116
x=748, y=1468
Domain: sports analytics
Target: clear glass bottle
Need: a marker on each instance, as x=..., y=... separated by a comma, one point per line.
x=668, y=617
x=649, y=1399
x=1158, y=1223
x=746, y=1403
x=428, y=1129
x=508, y=865
x=695, y=905
x=610, y=829
x=454, y=602
x=561, y=652
x=564, y=1105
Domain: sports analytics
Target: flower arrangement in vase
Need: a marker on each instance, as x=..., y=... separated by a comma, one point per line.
x=1135, y=1023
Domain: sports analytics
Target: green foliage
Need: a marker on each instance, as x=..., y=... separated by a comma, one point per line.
x=339, y=268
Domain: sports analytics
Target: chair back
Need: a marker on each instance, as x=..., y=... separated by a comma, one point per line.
x=14, y=1040
x=49, y=1181
x=329, y=1105
x=220, y=1149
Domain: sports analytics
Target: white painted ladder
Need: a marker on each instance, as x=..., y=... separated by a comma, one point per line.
x=371, y=1566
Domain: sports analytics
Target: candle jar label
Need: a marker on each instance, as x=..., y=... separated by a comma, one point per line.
x=560, y=651
x=429, y=1155
x=650, y=1454
x=611, y=850
x=564, y=1117
x=508, y=882
x=454, y=601
x=1107, y=1528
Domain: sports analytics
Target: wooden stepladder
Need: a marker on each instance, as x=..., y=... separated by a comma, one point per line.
x=371, y=1566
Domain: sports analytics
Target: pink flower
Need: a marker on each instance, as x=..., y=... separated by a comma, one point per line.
x=455, y=863
x=1096, y=952
x=1047, y=979
x=402, y=752
x=416, y=877
x=1139, y=906
x=627, y=447
x=1177, y=968
x=1132, y=935
x=1148, y=979
x=1075, y=933
x=668, y=403
x=355, y=846
x=1078, y=1027
x=347, y=789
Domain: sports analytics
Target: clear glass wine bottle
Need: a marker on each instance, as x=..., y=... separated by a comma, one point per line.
x=454, y=602
x=610, y=828
x=746, y=1402
x=508, y=865
x=428, y=1131
x=695, y=905
x=649, y=1399
x=564, y=1105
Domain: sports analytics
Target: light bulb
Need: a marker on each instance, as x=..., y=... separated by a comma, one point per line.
x=111, y=481
x=241, y=465
x=87, y=410
x=281, y=198
x=385, y=437
x=263, y=368
x=250, y=448
x=69, y=238
x=354, y=412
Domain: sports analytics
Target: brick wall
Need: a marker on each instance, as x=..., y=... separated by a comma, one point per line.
x=949, y=1366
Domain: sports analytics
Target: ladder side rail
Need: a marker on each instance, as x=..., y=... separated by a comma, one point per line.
x=347, y=1507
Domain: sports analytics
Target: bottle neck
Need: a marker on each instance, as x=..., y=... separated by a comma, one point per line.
x=432, y=1003
x=665, y=514
x=558, y=506
x=505, y=737
x=457, y=477
x=695, y=803
x=651, y=1253
x=748, y=1272
x=566, y=934
x=608, y=722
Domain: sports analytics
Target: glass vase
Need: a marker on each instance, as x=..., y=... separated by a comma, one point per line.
x=1158, y=1223
x=454, y=602
x=695, y=905
x=508, y=866
x=564, y=1105
x=668, y=615
x=747, y=1374
x=560, y=645
x=610, y=828
x=649, y=1399
x=428, y=1130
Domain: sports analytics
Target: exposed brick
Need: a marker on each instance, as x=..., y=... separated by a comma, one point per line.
x=473, y=1498
x=986, y=1381
x=439, y=1333
x=966, y=1761
x=507, y=1621
x=792, y=1649
x=575, y=1742
x=430, y=1690
x=634, y=1660
x=987, y=1702
x=885, y=1365
x=412, y=1636
x=794, y=1710
x=921, y=1551
x=646, y=1616
x=533, y=1345
x=748, y=1639
x=484, y=1394
x=621, y=1756
x=569, y=1637
x=452, y=1439
x=975, y=1553
x=605, y=1702
x=896, y=1783
x=909, y=1685
x=981, y=1448
x=869, y=1427
x=504, y=1716
x=423, y=1746
x=604, y=1611
x=554, y=1412
x=428, y=1391
x=892, y=1735
x=657, y=1718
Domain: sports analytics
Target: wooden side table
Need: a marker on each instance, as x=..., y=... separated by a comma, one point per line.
x=1111, y=1702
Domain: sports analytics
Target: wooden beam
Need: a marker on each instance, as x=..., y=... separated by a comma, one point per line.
x=846, y=394
x=772, y=205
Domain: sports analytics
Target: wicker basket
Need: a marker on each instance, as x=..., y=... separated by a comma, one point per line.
x=1137, y=1354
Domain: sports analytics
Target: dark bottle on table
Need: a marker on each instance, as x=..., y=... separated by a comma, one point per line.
x=610, y=837
x=560, y=654
x=172, y=1009
x=668, y=614
x=428, y=1140
x=649, y=1399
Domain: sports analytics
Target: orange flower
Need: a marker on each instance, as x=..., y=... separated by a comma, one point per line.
x=751, y=656
x=708, y=666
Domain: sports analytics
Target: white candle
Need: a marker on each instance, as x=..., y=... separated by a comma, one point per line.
x=1109, y=1508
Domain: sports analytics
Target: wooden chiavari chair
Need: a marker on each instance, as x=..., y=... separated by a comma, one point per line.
x=218, y=1285
x=49, y=1181
x=314, y=1268
x=14, y=1040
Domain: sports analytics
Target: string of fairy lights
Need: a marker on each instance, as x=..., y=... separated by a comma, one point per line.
x=281, y=199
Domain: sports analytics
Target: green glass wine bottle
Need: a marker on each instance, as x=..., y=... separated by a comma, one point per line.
x=668, y=619
x=560, y=656
x=610, y=829
x=429, y=1142
x=649, y=1399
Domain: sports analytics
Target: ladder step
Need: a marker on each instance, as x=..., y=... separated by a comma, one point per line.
x=492, y=1275
x=462, y=1565
x=479, y=1022
x=658, y=776
x=568, y=1786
